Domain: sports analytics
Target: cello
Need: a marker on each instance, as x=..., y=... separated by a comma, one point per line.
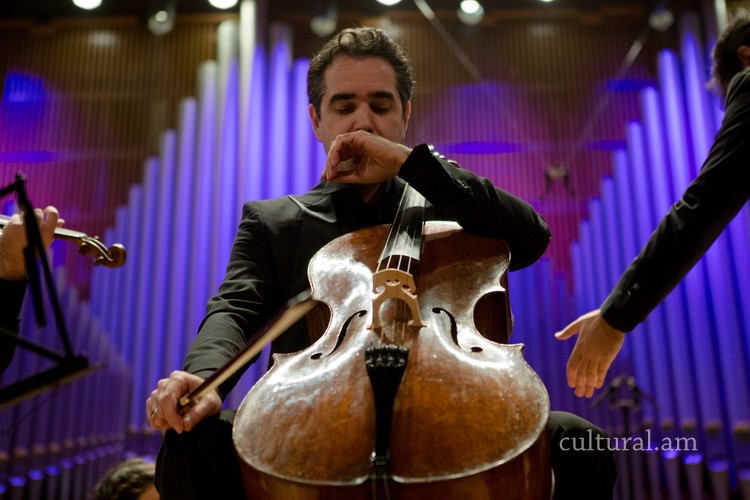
x=408, y=390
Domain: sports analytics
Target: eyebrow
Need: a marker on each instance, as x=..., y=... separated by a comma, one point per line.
x=347, y=96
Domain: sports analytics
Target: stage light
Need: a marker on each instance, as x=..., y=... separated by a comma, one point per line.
x=223, y=4
x=161, y=21
x=661, y=19
x=389, y=2
x=87, y=4
x=470, y=12
x=324, y=23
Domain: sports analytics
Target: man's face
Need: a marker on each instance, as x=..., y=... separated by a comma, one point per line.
x=360, y=94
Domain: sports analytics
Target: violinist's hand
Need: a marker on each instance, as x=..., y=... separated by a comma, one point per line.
x=363, y=158
x=596, y=348
x=13, y=241
x=162, y=406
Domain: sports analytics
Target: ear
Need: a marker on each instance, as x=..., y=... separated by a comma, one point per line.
x=314, y=120
x=407, y=115
x=743, y=52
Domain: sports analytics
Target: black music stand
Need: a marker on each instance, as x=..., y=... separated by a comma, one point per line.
x=68, y=366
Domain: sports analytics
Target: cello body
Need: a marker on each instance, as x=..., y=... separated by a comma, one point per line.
x=468, y=417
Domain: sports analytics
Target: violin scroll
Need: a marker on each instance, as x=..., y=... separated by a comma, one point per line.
x=112, y=256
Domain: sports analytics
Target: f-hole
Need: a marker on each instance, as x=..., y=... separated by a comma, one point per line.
x=454, y=330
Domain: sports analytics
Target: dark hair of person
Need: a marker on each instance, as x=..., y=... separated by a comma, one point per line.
x=726, y=64
x=359, y=42
x=125, y=481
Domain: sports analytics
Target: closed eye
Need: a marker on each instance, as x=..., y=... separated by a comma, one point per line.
x=344, y=110
x=381, y=110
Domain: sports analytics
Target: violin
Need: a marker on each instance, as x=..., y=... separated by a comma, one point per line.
x=112, y=256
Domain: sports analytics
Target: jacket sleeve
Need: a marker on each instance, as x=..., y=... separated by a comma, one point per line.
x=478, y=206
x=692, y=224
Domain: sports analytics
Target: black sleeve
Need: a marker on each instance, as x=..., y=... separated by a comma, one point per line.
x=692, y=224
x=478, y=206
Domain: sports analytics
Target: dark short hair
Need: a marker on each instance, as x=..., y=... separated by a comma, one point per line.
x=359, y=42
x=726, y=64
x=125, y=481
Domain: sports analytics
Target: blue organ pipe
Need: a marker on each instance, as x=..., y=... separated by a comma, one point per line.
x=614, y=224
x=697, y=99
x=589, y=298
x=739, y=231
x=146, y=270
x=201, y=280
x=120, y=292
x=546, y=344
x=302, y=141
x=578, y=277
x=248, y=44
x=674, y=127
x=562, y=350
x=82, y=425
x=97, y=288
x=225, y=200
x=728, y=332
x=257, y=162
x=680, y=354
x=597, y=246
x=522, y=301
x=660, y=363
x=160, y=279
x=278, y=116
x=183, y=232
x=612, y=227
x=580, y=264
x=132, y=235
x=633, y=197
x=620, y=228
x=26, y=364
x=673, y=100
x=660, y=202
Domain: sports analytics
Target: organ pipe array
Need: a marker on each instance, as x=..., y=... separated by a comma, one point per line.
x=245, y=135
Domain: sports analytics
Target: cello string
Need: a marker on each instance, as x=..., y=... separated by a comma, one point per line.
x=392, y=230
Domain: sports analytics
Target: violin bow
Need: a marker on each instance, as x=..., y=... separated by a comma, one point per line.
x=295, y=309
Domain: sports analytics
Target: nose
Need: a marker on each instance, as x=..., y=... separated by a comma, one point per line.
x=363, y=119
